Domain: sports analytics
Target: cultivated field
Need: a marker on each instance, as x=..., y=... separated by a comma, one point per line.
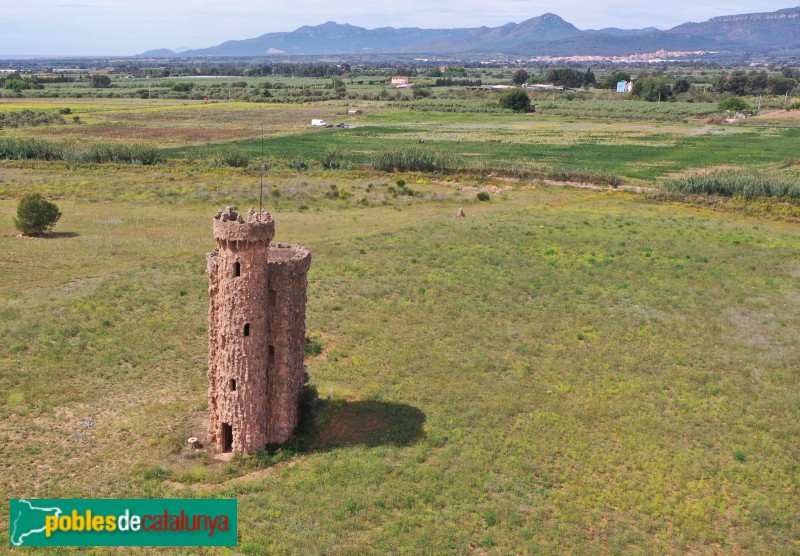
x=565, y=370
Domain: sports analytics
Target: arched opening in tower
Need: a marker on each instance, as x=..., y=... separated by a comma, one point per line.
x=237, y=268
x=247, y=329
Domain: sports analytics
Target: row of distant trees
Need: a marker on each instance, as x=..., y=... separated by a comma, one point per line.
x=659, y=87
x=740, y=83
x=16, y=82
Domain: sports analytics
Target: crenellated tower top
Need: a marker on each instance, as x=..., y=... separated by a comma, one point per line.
x=232, y=231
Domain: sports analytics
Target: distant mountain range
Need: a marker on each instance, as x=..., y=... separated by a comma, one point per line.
x=546, y=34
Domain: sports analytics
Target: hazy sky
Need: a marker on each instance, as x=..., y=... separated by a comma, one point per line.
x=125, y=27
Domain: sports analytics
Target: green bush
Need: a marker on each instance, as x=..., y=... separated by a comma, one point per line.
x=483, y=196
x=733, y=104
x=298, y=164
x=516, y=100
x=332, y=159
x=36, y=215
x=313, y=345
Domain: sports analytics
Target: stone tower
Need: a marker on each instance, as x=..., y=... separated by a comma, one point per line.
x=256, y=333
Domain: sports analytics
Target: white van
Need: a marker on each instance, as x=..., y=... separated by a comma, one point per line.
x=318, y=123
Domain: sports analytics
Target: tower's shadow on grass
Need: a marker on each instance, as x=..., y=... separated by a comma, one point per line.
x=329, y=424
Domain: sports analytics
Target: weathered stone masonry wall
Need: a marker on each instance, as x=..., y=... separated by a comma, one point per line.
x=256, y=333
x=288, y=268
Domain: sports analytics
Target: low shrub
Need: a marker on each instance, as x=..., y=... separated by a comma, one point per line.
x=230, y=156
x=313, y=345
x=298, y=164
x=332, y=159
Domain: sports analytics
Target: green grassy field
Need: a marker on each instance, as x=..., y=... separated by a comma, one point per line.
x=523, y=141
x=563, y=371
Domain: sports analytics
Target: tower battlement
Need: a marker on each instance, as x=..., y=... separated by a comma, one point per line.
x=295, y=258
x=231, y=229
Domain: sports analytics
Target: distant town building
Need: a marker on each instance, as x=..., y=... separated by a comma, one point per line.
x=624, y=86
x=400, y=80
x=354, y=112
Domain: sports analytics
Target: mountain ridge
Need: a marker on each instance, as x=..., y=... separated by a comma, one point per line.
x=545, y=34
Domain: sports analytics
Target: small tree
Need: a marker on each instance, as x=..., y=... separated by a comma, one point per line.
x=520, y=76
x=101, y=81
x=36, y=215
x=338, y=86
x=682, y=85
x=651, y=89
x=516, y=99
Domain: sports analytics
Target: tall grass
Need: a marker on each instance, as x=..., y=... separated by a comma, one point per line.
x=584, y=175
x=29, y=118
x=100, y=153
x=115, y=153
x=27, y=149
x=736, y=182
x=414, y=160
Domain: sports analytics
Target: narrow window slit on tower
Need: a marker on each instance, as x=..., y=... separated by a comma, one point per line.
x=247, y=329
x=237, y=268
x=271, y=355
x=273, y=296
x=232, y=385
x=227, y=437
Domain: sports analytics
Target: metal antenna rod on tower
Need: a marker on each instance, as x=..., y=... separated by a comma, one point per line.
x=261, y=192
